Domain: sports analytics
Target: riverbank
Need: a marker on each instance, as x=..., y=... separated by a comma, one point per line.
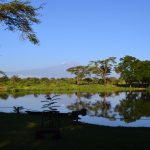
x=18, y=131
x=66, y=88
x=3, y=88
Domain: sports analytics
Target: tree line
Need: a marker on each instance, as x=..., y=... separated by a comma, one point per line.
x=129, y=68
x=131, y=71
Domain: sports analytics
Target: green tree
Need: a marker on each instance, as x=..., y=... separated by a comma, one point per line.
x=3, y=77
x=15, y=79
x=143, y=72
x=79, y=71
x=20, y=16
x=102, y=68
x=127, y=68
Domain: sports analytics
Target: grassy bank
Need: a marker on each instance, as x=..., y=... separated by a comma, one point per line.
x=66, y=88
x=17, y=132
x=3, y=88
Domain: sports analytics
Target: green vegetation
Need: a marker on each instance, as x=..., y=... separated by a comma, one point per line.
x=131, y=70
x=95, y=77
x=18, y=132
x=68, y=85
x=20, y=16
x=80, y=71
x=102, y=68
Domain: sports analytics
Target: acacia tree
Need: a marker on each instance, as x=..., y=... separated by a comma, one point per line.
x=3, y=76
x=2, y=73
x=20, y=16
x=102, y=68
x=79, y=71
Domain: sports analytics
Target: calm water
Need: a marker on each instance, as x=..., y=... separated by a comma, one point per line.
x=130, y=109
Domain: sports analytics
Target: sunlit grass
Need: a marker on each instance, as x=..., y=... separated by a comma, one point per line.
x=67, y=88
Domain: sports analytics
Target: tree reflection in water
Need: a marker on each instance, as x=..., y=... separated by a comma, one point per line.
x=134, y=106
x=50, y=102
x=100, y=108
x=4, y=96
x=15, y=95
x=131, y=106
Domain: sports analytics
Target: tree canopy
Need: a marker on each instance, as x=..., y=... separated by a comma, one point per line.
x=132, y=70
x=143, y=72
x=127, y=68
x=2, y=73
x=20, y=16
x=102, y=68
x=79, y=71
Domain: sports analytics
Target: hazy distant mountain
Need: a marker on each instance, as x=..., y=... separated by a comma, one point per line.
x=58, y=71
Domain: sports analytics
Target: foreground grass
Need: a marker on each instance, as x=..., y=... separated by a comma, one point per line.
x=67, y=88
x=17, y=132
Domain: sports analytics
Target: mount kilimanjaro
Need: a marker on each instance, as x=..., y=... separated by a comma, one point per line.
x=58, y=71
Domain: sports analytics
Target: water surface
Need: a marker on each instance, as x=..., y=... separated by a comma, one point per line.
x=129, y=109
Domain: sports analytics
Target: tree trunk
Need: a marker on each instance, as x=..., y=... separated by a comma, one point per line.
x=78, y=81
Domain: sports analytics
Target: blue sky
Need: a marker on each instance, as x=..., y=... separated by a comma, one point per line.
x=80, y=31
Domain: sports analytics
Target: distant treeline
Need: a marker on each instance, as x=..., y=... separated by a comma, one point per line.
x=132, y=72
x=130, y=69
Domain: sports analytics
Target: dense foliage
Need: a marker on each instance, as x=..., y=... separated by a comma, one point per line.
x=20, y=16
x=133, y=70
x=102, y=68
x=80, y=72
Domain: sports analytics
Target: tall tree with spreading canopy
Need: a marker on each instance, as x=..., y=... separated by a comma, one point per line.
x=2, y=73
x=79, y=71
x=20, y=16
x=102, y=68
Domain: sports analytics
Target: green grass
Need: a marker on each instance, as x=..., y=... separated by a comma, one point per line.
x=67, y=88
x=17, y=133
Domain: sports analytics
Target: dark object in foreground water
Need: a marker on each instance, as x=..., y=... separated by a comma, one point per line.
x=74, y=115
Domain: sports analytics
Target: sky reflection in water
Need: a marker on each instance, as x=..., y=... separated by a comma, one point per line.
x=111, y=109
